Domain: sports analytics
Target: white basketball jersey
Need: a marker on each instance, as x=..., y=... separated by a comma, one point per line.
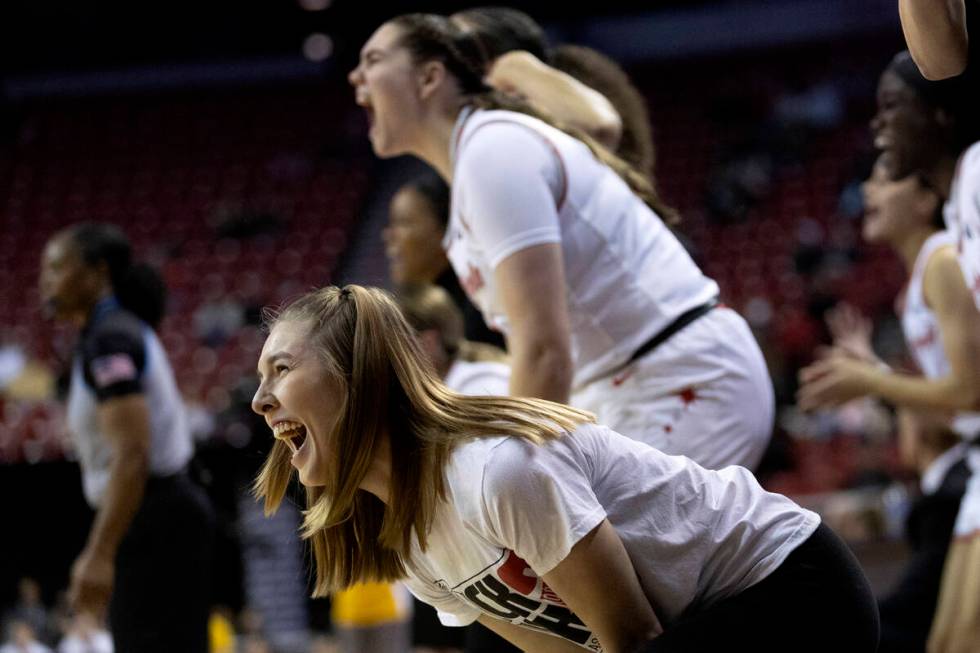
x=921, y=328
x=962, y=216
x=517, y=183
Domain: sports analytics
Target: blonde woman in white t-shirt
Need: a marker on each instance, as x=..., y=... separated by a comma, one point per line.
x=555, y=532
x=559, y=243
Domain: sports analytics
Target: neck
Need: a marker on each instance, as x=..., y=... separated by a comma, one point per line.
x=436, y=144
x=377, y=481
x=940, y=177
x=82, y=317
x=908, y=248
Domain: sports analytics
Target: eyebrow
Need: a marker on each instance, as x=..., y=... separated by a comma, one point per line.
x=272, y=359
x=366, y=53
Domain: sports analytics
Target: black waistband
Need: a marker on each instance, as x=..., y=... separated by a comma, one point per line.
x=679, y=323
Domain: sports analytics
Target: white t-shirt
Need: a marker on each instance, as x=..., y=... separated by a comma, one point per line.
x=97, y=642
x=921, y=328
x=962, y=216
x=478, y=378
x=517, y=183
x=515, y=509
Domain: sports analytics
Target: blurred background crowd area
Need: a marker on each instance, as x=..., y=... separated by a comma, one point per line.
x=224, y=140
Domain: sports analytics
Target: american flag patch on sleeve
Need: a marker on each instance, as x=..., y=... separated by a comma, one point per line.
x=114, y=368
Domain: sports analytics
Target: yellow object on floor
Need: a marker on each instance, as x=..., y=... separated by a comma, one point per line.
x=369, y=604
x=221, y=632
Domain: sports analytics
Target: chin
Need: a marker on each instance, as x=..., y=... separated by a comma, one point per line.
x=386, y=150
x=871, y=235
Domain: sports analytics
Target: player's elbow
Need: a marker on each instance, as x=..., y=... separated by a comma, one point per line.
x=639, y=638
x=963, y=396
x=943, y=69
x=550, y=355
x=943, y=62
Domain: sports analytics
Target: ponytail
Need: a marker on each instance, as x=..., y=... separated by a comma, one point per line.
x=138, y=287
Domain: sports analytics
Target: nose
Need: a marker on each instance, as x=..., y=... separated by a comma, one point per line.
x=877, y=122
x=865, y=192
x=263, y=401
x=354, y=76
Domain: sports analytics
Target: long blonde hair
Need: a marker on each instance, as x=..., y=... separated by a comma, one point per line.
x=391, y=392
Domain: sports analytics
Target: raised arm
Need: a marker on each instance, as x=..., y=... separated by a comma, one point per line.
x=935, y=31
x=558, y=94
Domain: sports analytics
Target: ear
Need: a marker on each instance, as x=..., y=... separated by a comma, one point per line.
x=430, y=78
x=102, y=271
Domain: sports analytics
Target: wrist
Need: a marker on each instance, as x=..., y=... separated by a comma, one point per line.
x=100, y=550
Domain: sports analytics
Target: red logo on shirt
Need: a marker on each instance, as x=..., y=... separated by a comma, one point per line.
x=510, y=590
x=473, y=281
x=517, y=574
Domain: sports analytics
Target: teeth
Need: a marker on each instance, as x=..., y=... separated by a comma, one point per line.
x=281, y=427
x=288, y=432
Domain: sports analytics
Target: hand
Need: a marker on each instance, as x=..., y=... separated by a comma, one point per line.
x=851, y=332
x=513, y=72
x=92, y=578
x=833, y=380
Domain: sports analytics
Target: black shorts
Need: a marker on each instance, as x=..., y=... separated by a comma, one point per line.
x=818, y=601
x=161, y=599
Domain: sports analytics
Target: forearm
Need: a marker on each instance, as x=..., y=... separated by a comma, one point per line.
x=943, y=394
x=573, y=103
x=541, y=369
x=124, y=494
x=527, y=639
x=935, y=31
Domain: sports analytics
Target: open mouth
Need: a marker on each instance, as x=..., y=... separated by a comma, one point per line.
x=292, y=433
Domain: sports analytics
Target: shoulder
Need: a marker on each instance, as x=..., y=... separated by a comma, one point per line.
x=971, y=156
x=118, y=321
x=524, y=467
x=497, y=135
x=942, y=276
x=969, y=167
x=117, y=331
x=478, y=377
